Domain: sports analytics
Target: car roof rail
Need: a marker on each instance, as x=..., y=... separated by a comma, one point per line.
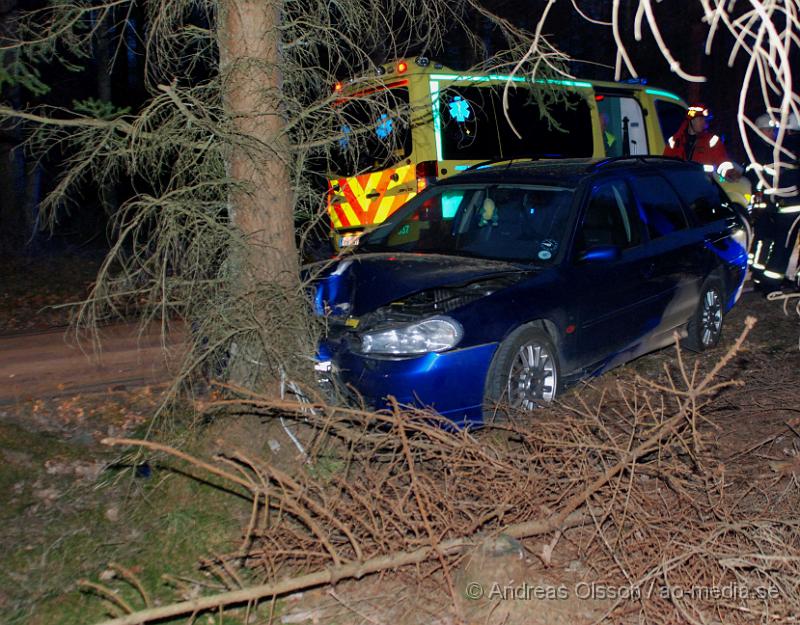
x=638, y=158
x=499, y=161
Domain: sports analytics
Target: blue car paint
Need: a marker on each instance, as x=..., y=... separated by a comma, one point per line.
x=734, y=259
x=429, y=380
x=384, y=278
x=582, y=312
x=453, y=382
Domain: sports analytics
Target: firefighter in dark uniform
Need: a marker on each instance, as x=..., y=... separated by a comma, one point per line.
x=776, y=207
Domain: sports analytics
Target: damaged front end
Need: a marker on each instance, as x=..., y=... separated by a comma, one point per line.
x=335, y=294
x=396, y=347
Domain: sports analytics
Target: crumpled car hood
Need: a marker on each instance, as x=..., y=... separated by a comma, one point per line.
x=362, y=283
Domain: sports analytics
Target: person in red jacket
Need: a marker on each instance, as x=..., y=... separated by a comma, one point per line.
x=693, y=142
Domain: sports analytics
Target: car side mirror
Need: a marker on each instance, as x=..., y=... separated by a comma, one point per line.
x=600, y=253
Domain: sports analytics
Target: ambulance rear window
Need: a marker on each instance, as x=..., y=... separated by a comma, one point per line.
x=474, y=126
x=374, y=132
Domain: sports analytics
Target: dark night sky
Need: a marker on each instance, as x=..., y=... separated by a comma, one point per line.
x=592, y=45
x=681, y=26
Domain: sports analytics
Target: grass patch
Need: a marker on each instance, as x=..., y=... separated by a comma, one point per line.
x=325, y=468
x=62, y=523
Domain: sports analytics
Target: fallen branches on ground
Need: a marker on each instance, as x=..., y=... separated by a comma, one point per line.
x=391, y=489
x=788, y=299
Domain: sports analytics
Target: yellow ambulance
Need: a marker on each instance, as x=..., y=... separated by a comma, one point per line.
x=453, y=120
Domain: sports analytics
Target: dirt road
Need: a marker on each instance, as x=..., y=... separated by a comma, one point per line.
x=54, y=363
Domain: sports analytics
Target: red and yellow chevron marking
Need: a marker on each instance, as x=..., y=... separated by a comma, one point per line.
x=356, y=209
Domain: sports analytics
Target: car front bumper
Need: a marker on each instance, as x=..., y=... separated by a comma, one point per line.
x=451, y=382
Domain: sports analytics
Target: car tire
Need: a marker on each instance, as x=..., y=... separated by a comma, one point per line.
x=705, y=326
x=524, y=375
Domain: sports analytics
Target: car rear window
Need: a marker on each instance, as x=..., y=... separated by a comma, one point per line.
x=661, y=208
x=705, y=199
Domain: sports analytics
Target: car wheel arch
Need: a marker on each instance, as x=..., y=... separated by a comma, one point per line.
x=544, y=324
x=721, y=276
x=504, y=355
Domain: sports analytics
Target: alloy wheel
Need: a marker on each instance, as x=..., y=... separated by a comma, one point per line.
x=533, y=378
x=710, y=318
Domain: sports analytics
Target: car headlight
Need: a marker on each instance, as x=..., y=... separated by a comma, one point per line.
x=431, y=335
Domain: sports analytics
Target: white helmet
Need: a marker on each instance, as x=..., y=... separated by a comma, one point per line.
x=764, y=122
x=768, y=120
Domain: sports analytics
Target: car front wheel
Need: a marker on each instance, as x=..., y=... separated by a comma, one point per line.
x=705, y=326
x=525, y=372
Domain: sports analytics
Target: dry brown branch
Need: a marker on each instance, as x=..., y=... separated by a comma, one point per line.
x=409, y=491
x=108, y=594
x=354, y=570
x=424, y=506
x=133, y=580
x=249, y=485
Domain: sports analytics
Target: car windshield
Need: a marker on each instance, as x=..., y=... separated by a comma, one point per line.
x=524, y=223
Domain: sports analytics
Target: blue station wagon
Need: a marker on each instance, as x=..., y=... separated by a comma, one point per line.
x=505, y=284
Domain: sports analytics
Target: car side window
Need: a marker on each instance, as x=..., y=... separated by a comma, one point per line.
x=660, y=206
x=609, y=218
x=705, y=200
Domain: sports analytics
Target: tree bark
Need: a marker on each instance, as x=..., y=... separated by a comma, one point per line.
x=103, y=60
x=262, y=202
x=13, y=221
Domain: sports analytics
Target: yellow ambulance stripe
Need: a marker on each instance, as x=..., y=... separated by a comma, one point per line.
x=385, y=208
x=360, y=191
x=358, y=209
x=351, y=215
x=389, y=203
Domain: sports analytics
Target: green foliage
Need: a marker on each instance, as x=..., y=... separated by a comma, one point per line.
x=177, y=249
x=100, y=109
x=57, y=35
x=15, y=72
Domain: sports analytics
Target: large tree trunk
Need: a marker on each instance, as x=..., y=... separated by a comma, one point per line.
x=263, y=207
x=261, y=202
x=14, y=222
x=103, y=60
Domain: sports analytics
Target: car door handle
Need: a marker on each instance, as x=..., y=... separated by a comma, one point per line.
x=373, y=195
